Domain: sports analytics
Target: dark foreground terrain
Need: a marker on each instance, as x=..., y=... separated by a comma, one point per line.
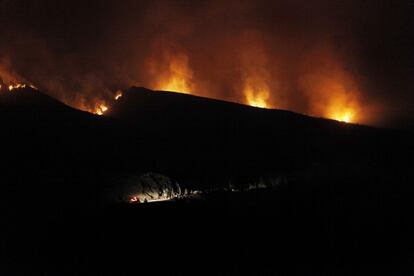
x=344, y=206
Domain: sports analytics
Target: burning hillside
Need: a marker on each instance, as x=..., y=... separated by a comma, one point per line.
x=13, y=87
x=10, y=82
x=329, y=93
x=318, y=84
x=310, y=63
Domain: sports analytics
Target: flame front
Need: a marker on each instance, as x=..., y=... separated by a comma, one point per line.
x=13, y=87
x=16, y=86
x=318, y=85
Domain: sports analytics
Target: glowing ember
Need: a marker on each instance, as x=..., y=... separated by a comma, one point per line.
x=16, y=86
x=118, y=95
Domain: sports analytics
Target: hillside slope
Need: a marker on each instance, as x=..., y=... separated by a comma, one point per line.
x=188, y=135
x=62, y=155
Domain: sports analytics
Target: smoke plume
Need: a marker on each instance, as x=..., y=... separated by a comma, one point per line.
x=344, y=60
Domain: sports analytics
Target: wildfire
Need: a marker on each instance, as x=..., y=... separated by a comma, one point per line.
x=331, y=89
x=341, y=105
x=177, y=84
x=12, y=87
x=100, y=109
x=257, y=95
x=254, y=71
x=346, y=117
x=17, y=86
x=176, y=77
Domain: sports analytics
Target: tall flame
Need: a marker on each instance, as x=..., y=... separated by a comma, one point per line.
x=175, y=75
x=331, y=90
x=257, y=93
x=343, y=109
x=347, y=110
x=335, y=99
x=254, y=71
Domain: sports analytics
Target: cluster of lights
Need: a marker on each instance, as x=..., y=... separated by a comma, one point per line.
x=12, y=87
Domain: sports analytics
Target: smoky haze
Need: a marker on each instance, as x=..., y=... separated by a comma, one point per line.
x=322, y=58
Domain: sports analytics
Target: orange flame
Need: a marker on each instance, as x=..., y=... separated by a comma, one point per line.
x=11, y=81
x=341, y=101
x=346, y=117
x=176, y=77
x=17, y=86
x=254, y=71
x=100, y=109
x=333, y=98
x=256, y=93
x=343, y=112
x=331, y=89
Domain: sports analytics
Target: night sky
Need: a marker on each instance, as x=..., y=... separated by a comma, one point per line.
x=82, y=52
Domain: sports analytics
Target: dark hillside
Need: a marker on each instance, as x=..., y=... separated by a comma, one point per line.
x=345, y=202
x=208, y=138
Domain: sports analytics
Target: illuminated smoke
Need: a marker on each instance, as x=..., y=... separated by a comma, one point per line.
x=171, y=73
x=11, y=81
x=8, y=79
x=277, y=54
x=255, y=76
x=331, y=90
x=257, y=92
